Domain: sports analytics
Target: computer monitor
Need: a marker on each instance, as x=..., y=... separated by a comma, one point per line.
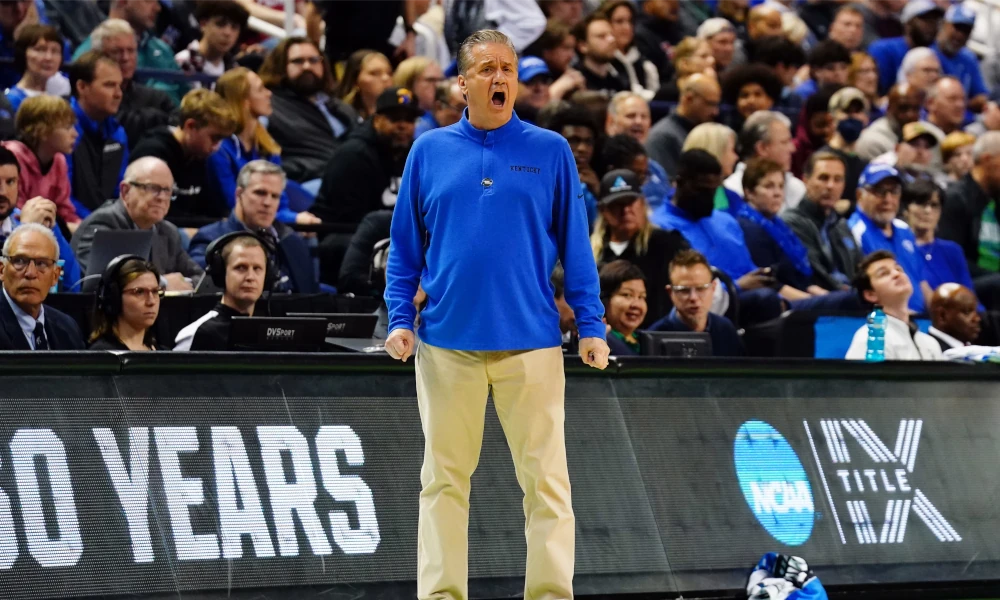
x=272, y=334
x=109, y=244
x=345, y=325
x=675, y=344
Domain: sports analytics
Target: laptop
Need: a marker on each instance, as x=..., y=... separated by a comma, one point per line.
x=345, y=325
x=109, y=244
x=276, y=334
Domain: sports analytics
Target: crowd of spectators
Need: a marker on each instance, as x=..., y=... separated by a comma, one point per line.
x=736, y=158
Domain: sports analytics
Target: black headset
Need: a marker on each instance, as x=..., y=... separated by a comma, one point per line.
x=377, y=264
x=215, y=266
x=109, y=292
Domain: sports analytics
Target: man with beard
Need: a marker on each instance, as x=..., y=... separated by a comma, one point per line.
x=875, y=227
x=717, y=235
x=921, y=18
x=145, y=199
x=36, y=210
x=884, y=133
x=308, y=122
x=596, y=46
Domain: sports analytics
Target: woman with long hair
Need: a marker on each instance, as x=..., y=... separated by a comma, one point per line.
x=128, y=305
x=249, y=100
x=367, y=74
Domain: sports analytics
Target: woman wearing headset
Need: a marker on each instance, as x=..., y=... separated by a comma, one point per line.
x=128, y=302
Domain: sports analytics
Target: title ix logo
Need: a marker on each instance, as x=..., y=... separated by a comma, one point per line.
x=877, y=470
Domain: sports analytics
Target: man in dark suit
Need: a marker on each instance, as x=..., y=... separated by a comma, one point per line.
x=955, y=317
x=146, y=193
x=29, y=270
x=259, y=186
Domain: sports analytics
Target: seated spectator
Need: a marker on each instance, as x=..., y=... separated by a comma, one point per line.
x=833, y=253
x=596, y=47
x=366, y=75
x=128, y=303
x=238, y=264
x=828, y=63
x=259, y=187
x=786, y=60
x=30, y=270
x=921, y=20
x=847, y=28
x=763, y=21
x=533, y=89
x=205, y=120
x=849, y=110
x=643, y=75
x=920, y=68
x=100, y=156
x=883, y=282
x=955, y=57
x=772, y=243
x=145, y=199
x=623, y=293
x=700, y=97
x=364, y=173
x=449, y=104
x=721, y=36
x=956, y=153
x=567, y=12
x=249, y=101
x=356, y=276
x=863, y=74
x=150, y=52
x=556, y=46
x=623, y=231
x=303, y=85
x=690, y=57
x=946, y=105
x=46, y=127
x=221, y=22
x=875, y=227
x=580, y=130
x=814, y=129
x=955, y=317
x=624, y=152
x=944, y=261
x=914, y=155
x=420, y=75
x=767, y=134
x=904, y=104
x=692, y=287
x=719, y=141
x=37, y=210
x=142, y=107
x=38, y=53
x=717, y=235
x=750, y=88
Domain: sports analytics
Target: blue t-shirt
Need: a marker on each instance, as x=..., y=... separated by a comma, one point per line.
x=964, y=66
x=888, y=55
x=902, y=243
x=806, y=89
x=657, y=188
x=945, y=263
x=718, y=236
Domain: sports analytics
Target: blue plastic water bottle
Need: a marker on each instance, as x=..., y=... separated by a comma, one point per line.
x=876, y=336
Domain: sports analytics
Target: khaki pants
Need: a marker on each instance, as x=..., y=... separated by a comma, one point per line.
x=528, y=392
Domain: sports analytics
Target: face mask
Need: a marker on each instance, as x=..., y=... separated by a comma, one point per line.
x=850, y=129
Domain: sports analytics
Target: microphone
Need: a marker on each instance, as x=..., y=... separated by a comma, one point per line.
x=88, y=277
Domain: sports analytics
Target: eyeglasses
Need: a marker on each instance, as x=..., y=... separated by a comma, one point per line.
x=140, y=293
x=311, y=60
x=687, y=290
x=20, y=263
x=154, y=189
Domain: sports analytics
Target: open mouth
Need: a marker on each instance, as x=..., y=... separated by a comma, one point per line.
x=499, y=98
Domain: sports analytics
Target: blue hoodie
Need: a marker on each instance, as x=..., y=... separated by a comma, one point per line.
x=480, y=220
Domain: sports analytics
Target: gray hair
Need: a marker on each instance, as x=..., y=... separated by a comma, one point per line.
x=933, y=91
x=261, y=166
x=713, y=27
x=618, y=99
x=757, y=128
x=109, y=29
x=911, y=59
x=483, y=36
x=988, y=144
x=25, y=228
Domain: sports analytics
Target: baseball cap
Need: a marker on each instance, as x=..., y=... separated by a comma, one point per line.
x=619, y=184
x=843, y=98
x=959, y=14
x=397, y=101
x=917, y=8
x=531, y=67
x=912, y=131
x=877, y=173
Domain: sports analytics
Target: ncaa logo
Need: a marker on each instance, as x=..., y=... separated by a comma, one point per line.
x=774, y=482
